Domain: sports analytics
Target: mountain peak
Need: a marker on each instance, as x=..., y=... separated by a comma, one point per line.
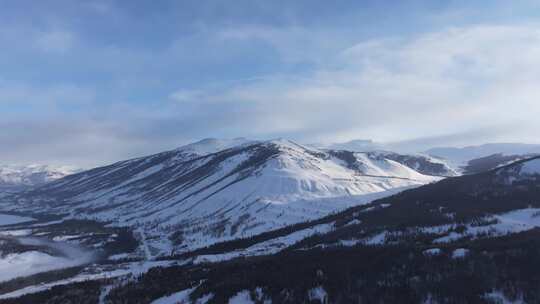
x=212, y=145
x=282, y=142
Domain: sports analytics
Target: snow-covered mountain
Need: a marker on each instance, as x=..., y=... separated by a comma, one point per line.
x=213, y=145
x=216, y=190
x=417, y=246
x=248, y=195
x=13, y=177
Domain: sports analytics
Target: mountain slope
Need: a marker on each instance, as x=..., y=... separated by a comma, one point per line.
x=190, y=197
x=487, y=163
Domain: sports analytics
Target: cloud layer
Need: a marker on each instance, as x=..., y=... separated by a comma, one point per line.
x=104, y=81
x=457, y=81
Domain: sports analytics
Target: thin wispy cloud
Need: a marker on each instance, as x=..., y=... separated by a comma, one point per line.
x=452, y=81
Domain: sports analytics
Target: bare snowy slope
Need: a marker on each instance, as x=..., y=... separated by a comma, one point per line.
x=200, y=194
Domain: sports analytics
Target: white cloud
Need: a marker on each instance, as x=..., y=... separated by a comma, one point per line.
x=56, y=41
x=185, y=95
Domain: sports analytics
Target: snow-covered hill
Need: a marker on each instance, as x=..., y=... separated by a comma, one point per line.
x=14, y=177
x=216, y=190
x=421, y=162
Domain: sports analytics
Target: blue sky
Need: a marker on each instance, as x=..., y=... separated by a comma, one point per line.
x=89, y=82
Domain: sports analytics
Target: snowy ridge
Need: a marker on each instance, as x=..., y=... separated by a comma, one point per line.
x=521, y=170
x=531, y=167
x=193, y=196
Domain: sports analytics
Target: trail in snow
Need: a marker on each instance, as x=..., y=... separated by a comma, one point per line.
x=147, y=254
x=104, y=292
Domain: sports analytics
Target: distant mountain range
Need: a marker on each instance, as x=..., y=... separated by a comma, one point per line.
x=460, y=156
x=357, y=145
x=482, y=157
x=13, y=177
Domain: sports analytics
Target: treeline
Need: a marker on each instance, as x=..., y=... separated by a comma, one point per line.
x=378, y=274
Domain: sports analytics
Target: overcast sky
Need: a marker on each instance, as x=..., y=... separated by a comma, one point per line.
x=90, y=82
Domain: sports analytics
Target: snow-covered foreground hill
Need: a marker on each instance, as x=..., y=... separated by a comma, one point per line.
x=216, y=190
